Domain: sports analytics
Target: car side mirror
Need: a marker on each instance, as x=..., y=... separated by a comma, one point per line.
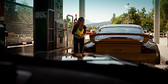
x=100, y=30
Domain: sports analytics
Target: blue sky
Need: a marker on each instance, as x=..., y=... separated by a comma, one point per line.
x=29, y=2
x=102, y=10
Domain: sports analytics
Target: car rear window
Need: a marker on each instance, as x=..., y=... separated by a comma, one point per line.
x=120, y=30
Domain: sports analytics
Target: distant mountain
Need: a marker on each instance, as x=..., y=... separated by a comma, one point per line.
x=88, y=21
x=98, y=24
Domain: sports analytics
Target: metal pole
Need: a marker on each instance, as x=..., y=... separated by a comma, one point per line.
x=67, y=31
x=72, y=22
x=82, y=8
x=157, y=21
x=67, y=28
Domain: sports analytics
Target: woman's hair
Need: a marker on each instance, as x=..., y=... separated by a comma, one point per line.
x=81, y=19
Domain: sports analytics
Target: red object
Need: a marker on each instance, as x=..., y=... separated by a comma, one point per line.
x=76, y=16
x=24, y=43
x=90, y=32
x=1, y=11
x=75, y=21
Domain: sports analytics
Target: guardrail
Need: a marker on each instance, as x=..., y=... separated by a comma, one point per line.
x=163, y=35
x=164, y=39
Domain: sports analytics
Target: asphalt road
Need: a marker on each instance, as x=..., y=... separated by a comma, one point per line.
x=163, y=50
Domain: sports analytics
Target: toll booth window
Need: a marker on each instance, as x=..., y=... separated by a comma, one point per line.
x=61, y=16
x=59, y=1
x=51, y=19
x=61, y=25
x=61, y=7
x=19, y=24
x=61, y=33
x=51, y=5
x=11, y=0
x=57, y=5
x=25, y=2
x=58, y=15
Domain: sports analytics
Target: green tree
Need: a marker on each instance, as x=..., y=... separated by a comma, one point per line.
x=121, y=19
x=69, y=23
x=94, y=28
x=113, y=18
x=125, y=18
x=134, y=18
x=148, y=21
x=166, y=27
x=65, y=20
x=143, y=10
x=25, y=14
x=118, y=20
x=143, y=18
x=98, y=28
x=89, y=27
x=163, y=15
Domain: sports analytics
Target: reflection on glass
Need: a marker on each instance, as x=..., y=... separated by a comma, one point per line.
x=25, y=2
x=19, y=24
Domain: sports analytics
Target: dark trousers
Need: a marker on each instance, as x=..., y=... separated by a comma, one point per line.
x=80, y=43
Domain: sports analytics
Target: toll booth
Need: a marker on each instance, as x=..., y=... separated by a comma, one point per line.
x=60, y=33
x=48, y=25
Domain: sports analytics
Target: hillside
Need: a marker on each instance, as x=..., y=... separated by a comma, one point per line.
x=98, y=24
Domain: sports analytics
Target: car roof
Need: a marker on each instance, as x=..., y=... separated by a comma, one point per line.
x=120, y=25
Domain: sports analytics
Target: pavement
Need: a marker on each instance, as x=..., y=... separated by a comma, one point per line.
x=163, y=47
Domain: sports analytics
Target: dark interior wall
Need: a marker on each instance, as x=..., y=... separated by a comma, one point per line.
x=40, y=25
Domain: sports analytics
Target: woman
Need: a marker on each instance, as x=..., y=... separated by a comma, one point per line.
x=79, y=31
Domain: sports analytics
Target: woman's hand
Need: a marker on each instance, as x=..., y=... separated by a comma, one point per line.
x=83, y=36
x=77, y=35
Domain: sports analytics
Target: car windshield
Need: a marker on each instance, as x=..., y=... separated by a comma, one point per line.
x=83, y=41
x=28, y=27
x=120, y=30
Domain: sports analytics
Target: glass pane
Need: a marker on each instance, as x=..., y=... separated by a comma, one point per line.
x=19, y=23
x=120, y=30
x=25, y=2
